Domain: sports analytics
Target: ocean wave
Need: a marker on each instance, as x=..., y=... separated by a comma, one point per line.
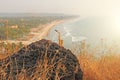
x=78, y=38
x=67, y=32
x=74, y=38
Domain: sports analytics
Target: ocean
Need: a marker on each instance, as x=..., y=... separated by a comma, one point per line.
x=90, y=29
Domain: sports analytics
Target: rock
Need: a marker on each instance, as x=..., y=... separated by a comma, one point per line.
x=42, y=60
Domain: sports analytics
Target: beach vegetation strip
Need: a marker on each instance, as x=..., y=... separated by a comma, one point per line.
x=18, y=27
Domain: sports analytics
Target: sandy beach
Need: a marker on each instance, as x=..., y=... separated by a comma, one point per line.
x=37, y=33
x=41, y=31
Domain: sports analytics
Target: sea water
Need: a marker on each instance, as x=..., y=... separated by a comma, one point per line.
x=90, y=29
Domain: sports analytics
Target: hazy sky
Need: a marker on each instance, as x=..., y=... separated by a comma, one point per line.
x=81, y=7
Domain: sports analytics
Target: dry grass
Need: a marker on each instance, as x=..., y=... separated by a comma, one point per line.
x=106, y=67
x=39, y=73
x=8, y=49
x=43, y=69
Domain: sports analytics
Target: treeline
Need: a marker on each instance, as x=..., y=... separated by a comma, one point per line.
x=24, y=24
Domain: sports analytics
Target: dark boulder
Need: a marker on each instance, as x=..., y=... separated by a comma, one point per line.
x=42, y=60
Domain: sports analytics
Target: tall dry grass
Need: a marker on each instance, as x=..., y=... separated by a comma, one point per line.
x=7, y=49
x=45, y=69
x=39, y=72
x=104, y=67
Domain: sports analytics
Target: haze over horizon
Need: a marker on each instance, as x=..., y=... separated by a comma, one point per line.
x=79, y=7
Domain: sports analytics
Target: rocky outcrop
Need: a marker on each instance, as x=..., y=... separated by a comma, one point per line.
x=42, y=60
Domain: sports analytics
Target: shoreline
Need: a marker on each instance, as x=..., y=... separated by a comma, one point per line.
x=42, y=31
x=37, y=33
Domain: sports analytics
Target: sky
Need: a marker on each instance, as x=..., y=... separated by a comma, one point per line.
x=79, y=7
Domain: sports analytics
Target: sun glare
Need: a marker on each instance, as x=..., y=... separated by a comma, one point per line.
x=117, y=18
x=117, y=23
x=114, y=27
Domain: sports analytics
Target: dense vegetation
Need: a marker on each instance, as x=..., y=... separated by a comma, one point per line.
x=24, y=24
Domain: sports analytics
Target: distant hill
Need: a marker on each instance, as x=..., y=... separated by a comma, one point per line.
x=31, y=14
